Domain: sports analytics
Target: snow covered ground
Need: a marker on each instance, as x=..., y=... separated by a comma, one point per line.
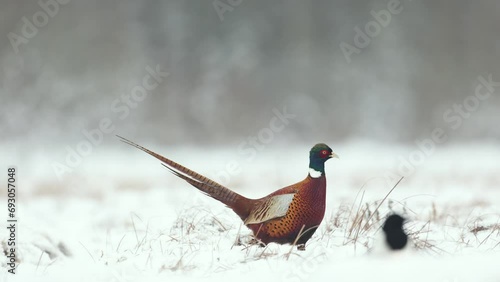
x=120, y=216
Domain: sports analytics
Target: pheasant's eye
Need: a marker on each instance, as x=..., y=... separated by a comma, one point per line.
x=324, y=153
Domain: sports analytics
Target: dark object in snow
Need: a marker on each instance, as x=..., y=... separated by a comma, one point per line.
x=395, y=236
x=290, y=215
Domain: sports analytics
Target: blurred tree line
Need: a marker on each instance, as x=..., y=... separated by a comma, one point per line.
x=226, y=76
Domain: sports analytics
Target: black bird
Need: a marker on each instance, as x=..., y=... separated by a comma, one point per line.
x=395, y=236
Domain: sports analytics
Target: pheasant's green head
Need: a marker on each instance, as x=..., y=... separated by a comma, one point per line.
x=318, y=155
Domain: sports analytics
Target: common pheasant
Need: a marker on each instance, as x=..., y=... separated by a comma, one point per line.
x=289, y=215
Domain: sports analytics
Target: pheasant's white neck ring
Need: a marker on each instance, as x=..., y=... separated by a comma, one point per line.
x=314, y=173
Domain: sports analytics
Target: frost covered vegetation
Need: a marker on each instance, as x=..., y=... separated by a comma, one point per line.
x=134, y=221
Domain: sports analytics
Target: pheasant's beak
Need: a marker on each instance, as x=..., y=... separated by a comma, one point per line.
x=333, y=155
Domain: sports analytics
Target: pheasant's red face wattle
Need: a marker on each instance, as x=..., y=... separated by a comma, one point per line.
x=324, y=154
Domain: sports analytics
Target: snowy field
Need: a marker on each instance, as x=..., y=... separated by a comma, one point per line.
x=121, y=216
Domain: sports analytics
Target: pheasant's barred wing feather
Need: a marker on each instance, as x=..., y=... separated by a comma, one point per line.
x=273, y=207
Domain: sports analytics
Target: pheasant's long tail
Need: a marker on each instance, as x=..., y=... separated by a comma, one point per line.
x=235, y=201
